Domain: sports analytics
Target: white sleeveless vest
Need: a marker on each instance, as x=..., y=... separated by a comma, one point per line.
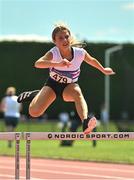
x=67, y=74
x=12, y=106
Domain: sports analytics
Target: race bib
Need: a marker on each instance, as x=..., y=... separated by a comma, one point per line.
x=60, y=78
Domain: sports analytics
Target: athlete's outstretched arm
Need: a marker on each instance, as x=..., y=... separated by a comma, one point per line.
x=95, y=63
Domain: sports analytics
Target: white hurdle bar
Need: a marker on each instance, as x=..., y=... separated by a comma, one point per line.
x=14, y=136
x=28, y=136
x=79, y=136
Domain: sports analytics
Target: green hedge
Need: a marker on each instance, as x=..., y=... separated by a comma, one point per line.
x=16, y=69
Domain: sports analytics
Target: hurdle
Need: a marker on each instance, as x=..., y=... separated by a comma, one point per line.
x=14, y=136
x=28, y=136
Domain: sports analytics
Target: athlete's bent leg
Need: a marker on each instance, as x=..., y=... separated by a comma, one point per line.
x=42, y=101
x=73, y=93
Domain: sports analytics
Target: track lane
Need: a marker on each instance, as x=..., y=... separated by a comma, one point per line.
x=63, y=169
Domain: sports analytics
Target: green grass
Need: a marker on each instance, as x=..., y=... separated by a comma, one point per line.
x=105, y=151
x=47, y=126
x=33, y=126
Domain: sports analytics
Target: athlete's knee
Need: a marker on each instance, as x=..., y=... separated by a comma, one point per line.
x=34, y=112
x=77, y=95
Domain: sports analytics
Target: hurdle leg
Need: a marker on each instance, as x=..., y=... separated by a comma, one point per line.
x=17, y=156
x=28, y=141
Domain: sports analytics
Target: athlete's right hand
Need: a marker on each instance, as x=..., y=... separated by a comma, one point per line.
x=64, y=63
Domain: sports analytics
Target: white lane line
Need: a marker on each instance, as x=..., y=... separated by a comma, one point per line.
x=71, y=173
x=46, y=164
x=83, y=174
x=84, y=167
x=11, y=176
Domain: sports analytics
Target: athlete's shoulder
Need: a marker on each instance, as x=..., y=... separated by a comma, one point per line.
x=53, y=49
x=79, y=49
x=80, y=52
x=54, y=52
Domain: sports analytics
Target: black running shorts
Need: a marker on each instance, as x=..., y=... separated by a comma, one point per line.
x=57, y=87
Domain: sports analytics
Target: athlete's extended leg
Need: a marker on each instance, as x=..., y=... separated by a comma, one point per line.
x=42, y=101
x=72, y=93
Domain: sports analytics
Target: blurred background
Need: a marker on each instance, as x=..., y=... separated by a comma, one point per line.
x=107, y=27
x=25, y=35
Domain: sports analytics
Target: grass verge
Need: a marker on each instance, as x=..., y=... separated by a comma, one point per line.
x=105, y=151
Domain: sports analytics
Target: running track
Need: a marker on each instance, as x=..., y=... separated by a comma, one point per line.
x=45, y=169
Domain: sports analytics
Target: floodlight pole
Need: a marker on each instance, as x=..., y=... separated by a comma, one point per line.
x=108, y=52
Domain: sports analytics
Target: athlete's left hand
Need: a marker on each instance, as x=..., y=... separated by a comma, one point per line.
x=108, y=71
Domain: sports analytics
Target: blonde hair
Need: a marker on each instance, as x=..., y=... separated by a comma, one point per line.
x=11, y=90
x=61, y=26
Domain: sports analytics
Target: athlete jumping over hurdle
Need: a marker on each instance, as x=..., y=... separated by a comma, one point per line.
x=64, y=61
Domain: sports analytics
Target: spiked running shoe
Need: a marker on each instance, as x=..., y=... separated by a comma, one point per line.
x=27, y=96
